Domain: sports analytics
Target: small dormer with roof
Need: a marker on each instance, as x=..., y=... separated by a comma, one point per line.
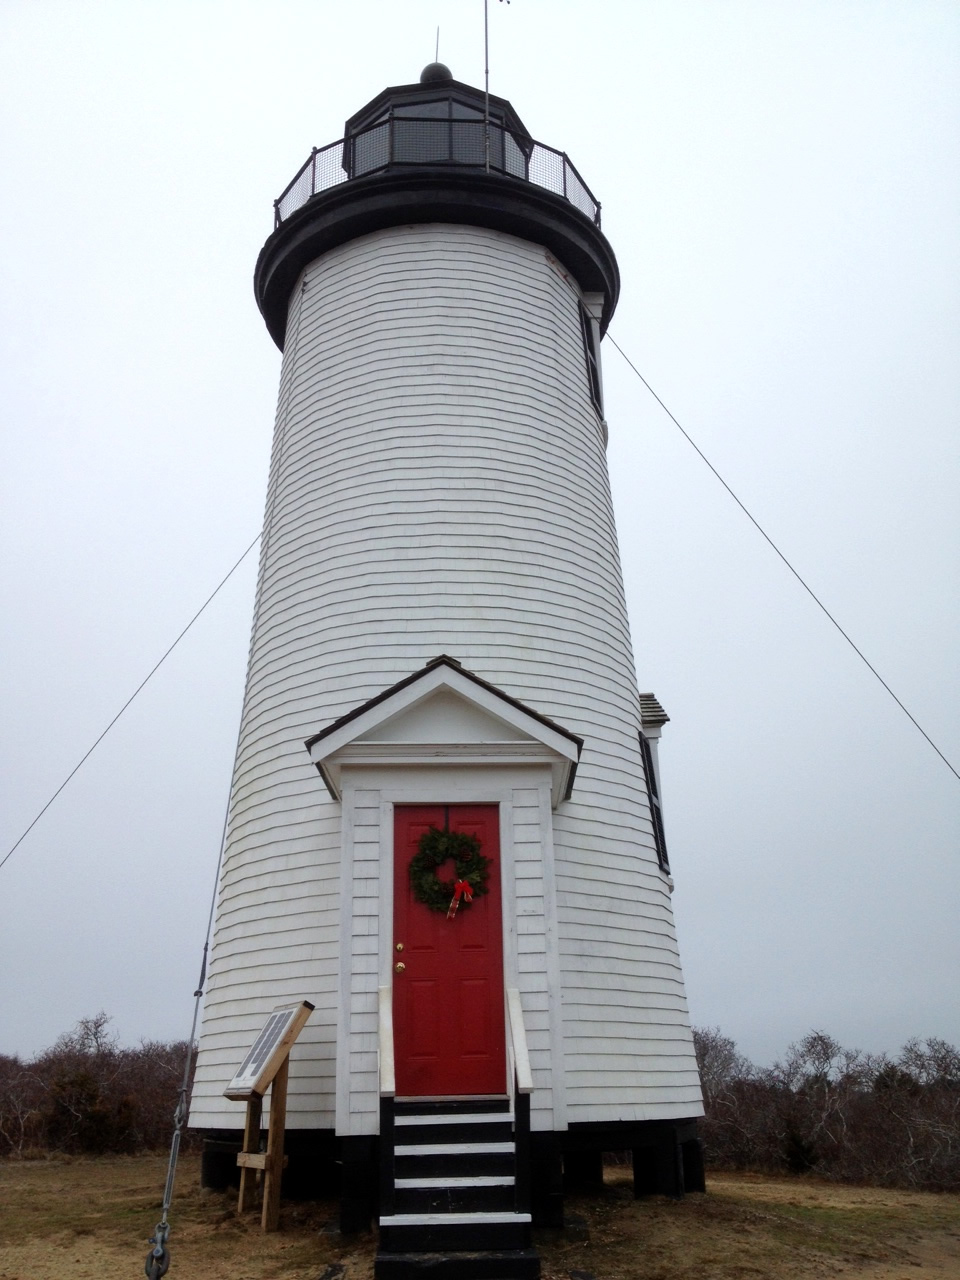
x=447, y=749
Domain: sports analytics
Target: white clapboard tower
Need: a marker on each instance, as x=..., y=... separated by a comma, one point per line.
x=441, y=641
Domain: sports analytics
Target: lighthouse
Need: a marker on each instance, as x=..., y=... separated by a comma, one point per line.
x=445, y=829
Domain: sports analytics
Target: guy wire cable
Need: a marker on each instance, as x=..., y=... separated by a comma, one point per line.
x=158, y=1259
x=809, y=590
x=268, y=526
x=143, y=683
x=686, y=435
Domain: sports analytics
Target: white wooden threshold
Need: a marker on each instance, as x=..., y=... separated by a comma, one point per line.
x=455, y=1149
x=479, y=1181
x=450, y=1219
x=479, y=1117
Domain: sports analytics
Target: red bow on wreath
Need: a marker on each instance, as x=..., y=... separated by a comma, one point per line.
x=461, y=889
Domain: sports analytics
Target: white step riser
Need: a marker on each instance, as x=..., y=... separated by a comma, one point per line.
x=444, y=1183
x=485, y=1117
x=456, y=1149
x=453, y=1219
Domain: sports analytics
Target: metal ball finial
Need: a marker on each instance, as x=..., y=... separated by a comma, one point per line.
x=435, y=73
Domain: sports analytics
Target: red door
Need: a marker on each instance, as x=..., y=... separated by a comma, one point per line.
x=448, y=1004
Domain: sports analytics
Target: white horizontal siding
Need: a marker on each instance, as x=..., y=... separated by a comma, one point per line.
x=438, y=484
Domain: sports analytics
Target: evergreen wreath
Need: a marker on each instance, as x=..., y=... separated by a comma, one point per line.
x=434, y=849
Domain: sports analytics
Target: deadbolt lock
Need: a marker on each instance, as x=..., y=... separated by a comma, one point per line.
x=399, y=966
x=399, y=946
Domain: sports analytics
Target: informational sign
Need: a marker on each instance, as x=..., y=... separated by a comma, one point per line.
x=269, y=1051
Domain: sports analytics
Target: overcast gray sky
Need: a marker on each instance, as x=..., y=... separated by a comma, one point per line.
x=781, y=183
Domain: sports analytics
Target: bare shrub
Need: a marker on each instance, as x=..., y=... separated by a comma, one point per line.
x=841, y=1113
x=20, y=1096
x=88, y=1095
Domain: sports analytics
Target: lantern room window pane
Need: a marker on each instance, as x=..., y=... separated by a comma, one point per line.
x=424, y=110
x=371, y=149
x=516, y=160
x=468, y=144
x=421, y=141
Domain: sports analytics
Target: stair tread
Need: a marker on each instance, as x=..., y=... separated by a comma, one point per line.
x=465, y=1264
x=451, y=1106
x=477, y=1218
x=462, y=1255
x=478, y=1180
x=454, y=1117
x=454, y=1148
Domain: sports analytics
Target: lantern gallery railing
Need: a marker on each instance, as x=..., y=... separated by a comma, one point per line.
x=407, y=140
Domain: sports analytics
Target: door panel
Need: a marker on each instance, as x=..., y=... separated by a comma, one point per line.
x=448, y=1005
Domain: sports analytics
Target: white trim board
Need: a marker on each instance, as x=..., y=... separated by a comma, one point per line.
x=375, y=737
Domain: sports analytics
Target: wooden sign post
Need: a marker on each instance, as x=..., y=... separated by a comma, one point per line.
x=266, y=1066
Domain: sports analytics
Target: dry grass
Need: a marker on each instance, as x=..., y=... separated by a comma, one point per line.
x=757, y=1226
x=89, y=1219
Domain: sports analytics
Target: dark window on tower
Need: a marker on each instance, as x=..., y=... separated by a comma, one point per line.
x=590, y=353
x=656, y=813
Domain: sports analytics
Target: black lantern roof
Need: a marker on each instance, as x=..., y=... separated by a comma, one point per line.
x=438, y=97
x=438, y=121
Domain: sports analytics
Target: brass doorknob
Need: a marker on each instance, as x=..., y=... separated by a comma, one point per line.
x=399, y=966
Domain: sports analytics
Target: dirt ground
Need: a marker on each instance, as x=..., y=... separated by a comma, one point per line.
x=90, y=1219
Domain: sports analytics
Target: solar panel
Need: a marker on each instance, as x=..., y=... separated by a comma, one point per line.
x=271, y=1046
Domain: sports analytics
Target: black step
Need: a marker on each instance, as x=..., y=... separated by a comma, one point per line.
x=456, y=1237
x=449, y=1106
x=462, y=1164
x=509, y=1264
x=454, y=1199
x=440, y=1129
